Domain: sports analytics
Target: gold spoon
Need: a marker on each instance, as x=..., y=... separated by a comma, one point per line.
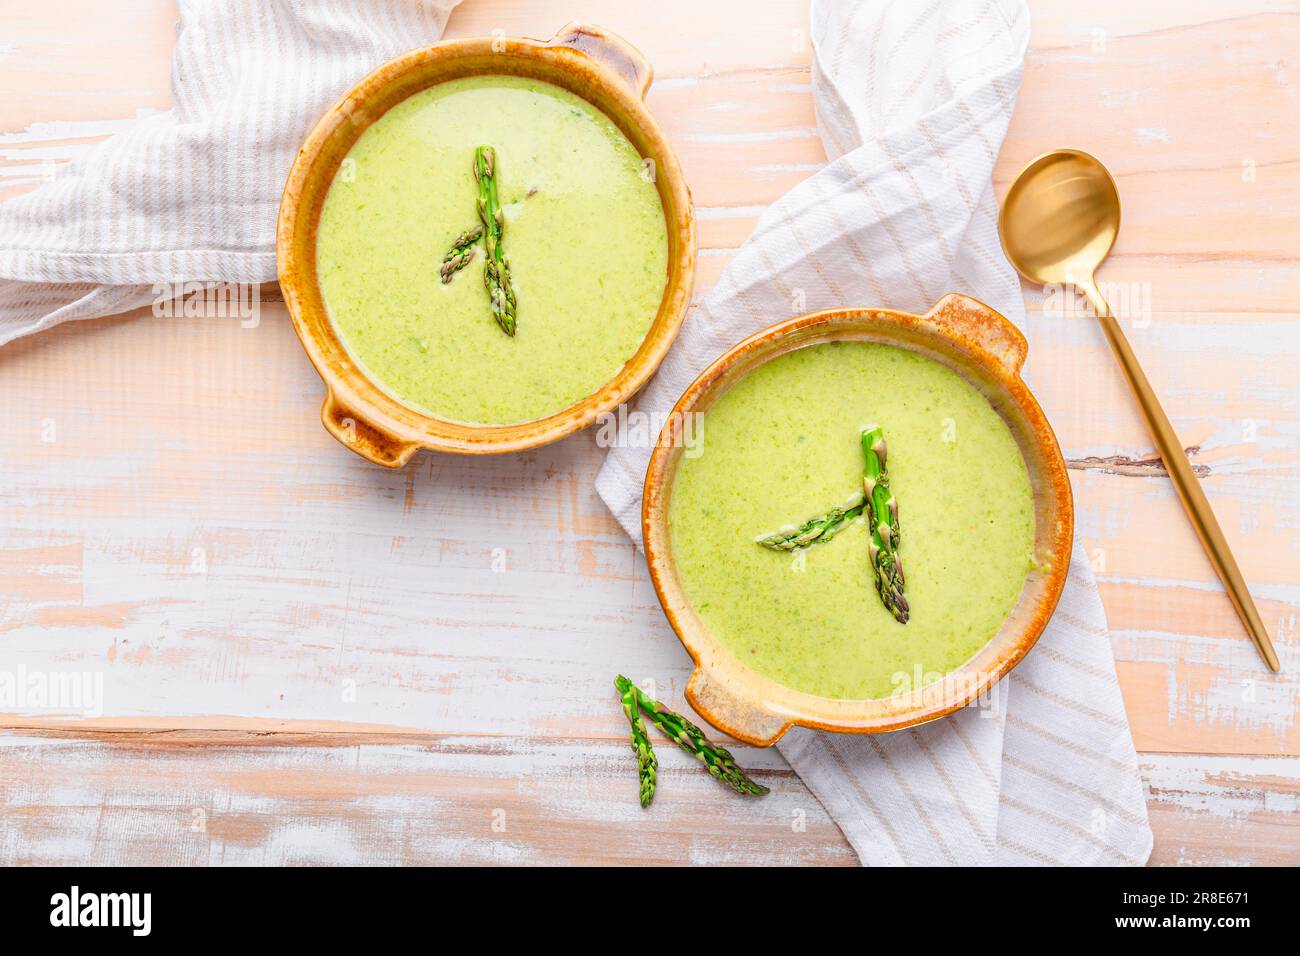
x=1058, y=223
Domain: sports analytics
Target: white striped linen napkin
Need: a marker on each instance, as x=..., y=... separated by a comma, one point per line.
x=913, y=100
x=192, y=193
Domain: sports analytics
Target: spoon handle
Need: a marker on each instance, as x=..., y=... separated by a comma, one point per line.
x=1185, y=482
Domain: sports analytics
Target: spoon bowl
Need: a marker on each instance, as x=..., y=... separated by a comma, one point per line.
x=1060, y=217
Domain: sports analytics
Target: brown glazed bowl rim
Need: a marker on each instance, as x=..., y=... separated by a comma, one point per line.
x=592, y=63
x=988, y=351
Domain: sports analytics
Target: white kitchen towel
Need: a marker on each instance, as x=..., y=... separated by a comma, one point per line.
x=193, y=193
x=913, y=100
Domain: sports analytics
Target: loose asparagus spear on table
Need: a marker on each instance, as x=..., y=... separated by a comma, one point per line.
x=883, y=547
x=717, y=760
x=496, y=271
x=647, y=764
x=460, y=253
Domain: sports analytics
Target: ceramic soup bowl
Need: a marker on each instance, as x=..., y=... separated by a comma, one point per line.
x=987, y=351
x=599, y=67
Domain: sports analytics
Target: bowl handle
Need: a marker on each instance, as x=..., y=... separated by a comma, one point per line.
x=609, y=50
x=971, y=320
x=743, y=719
x=362, y=437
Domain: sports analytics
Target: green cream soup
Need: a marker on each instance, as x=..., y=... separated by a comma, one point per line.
x=781, y=446
x=584, y=235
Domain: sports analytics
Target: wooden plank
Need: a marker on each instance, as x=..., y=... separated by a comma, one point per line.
x=458, y=800
x=470, y=799
x=1219, y=810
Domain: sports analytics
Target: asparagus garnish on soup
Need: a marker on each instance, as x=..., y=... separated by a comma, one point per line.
x=496, y=271
x=883, y=547
x=817, y=530
x=462, y=247
x=460, y=253
x=881, y=509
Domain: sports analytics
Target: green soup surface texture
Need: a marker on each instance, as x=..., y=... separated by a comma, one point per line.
x=584, y=235
x=781, y=446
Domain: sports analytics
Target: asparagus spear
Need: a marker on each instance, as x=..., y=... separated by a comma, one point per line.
x=460, y=253
x=496, y=271
x=647, y=764
x=817, y=530
x=717, y=760
x=884, y=526
x=462, y=249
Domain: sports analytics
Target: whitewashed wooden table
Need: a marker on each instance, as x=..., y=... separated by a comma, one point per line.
x=309, y=659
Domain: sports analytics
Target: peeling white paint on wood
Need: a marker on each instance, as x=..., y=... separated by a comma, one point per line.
x=58, y=130
x=1230, y=788
x=532, y=801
